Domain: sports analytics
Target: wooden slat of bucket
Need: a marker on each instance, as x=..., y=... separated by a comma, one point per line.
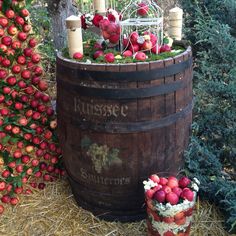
x=158, y=111
x=170, y=131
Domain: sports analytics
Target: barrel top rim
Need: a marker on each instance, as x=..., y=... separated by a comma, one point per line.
x=59, y=55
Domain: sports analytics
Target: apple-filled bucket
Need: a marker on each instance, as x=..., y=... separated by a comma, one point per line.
x=170, y=203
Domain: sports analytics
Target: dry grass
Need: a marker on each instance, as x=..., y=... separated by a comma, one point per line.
x=53, y=211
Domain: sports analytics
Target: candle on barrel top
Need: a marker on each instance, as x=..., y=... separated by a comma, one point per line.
x=74, y=35
x=99, y=6
x=175, y=23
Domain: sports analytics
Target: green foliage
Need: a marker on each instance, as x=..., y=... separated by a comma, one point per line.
x=213, y=147
x=41, y=23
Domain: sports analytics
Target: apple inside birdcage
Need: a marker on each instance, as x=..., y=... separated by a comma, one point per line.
x=110, y=31
x=146, y=42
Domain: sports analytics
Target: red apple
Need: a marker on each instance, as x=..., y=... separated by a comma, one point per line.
x=134, y=47
x=97, y=54
x=187, y=194
x=177, y=190
x=184, y=182
x=3, y=22
x=163, y=181
x=165, y=48
x=2, y=186
x=172, y=198
x=172, y=182
x=142, y=9
x=24, y=12
x=160, y=196
x=149, y=193
x=78, y=56
x=36, y=57
x=134, y=37
x=147, y=45
x=125, y=42
x=16, y=69
x=166, y=189
x=154, y=178
x=179, y=215
x=19, y=20
x=16, y=44
x=140, y=56
x=109, y=57
x=127, y=53
x=12, y=30
x=114, y=38
x=168, y=219
x=105, y=35
x=10, y=14
x=32, y=42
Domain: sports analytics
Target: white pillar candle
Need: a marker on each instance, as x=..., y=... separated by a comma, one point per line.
x=99, y=6
x=74, y=35
x=175, y=23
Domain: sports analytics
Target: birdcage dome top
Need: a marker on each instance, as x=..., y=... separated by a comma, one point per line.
x=141, y=12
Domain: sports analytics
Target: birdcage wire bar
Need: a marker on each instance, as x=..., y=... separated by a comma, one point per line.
x=152, y=22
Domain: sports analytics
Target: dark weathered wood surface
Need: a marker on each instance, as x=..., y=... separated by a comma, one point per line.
x=149, y=134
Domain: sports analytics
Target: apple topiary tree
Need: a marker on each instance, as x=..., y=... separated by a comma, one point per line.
x=29, y=151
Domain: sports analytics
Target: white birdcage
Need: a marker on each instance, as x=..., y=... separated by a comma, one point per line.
x=141, y=27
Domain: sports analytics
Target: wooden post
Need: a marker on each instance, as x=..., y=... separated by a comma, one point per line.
x=74, y=35
x=175, y=23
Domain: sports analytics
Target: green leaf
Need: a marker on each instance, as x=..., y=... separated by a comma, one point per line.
x=6, y=139
x=28, y=3
x=14, y=140
x=6, y=5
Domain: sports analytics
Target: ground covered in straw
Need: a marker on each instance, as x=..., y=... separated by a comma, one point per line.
x=53, y=211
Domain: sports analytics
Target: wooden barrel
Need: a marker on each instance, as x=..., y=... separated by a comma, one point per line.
x=119, y=123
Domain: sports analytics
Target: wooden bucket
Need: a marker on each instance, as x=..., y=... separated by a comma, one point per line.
x=119, y=123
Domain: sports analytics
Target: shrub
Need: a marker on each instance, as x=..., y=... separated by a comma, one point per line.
x=212, y=151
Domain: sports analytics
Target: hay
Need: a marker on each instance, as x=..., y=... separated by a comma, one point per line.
x=53, y=211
